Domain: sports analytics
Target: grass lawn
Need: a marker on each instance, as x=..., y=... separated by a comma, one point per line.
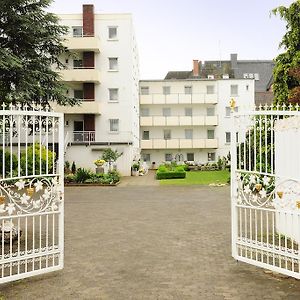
x=199, y=177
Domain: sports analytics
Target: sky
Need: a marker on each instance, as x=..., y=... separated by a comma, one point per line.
x=171, y=33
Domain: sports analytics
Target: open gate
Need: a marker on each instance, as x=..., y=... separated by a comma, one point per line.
x=265, y=189
x=31, y=192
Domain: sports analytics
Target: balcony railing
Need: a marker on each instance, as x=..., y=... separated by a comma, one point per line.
x=83, y=136
x=81, y=75
x=87, y=106
x=179, y=143
x=179, y=121
x=178, y=98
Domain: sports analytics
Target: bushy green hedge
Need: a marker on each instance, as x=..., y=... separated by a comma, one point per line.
x=170, y=171
x=170, y=175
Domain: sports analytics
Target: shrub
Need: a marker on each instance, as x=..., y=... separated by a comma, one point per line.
x=73, y=168
x=170, y=175
x=69, y=178
x=40, y=153
x=82, y=175
x=8, y=156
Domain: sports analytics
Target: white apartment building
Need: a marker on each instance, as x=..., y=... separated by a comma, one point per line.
x=103, y=72
x=189, y=119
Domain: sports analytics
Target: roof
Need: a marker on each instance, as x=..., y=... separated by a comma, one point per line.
x=178, y=74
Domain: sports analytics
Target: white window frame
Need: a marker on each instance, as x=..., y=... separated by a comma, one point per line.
x=188, y=89
x=113, y=67
x=231, y=90
x=167, y=134
x=166, y=90
x=209, y=154
x=166, y=111
x=148, y=155
x=188, y=111
x=145, y=112
x=170, y=157
x=227, y=137
x=187, y=156
x=77, y=27
x=188, y=134
x=210, y=109
x=113, y=95
x=112, y=123
x=208, y=134
x=145, y=90
x=210, y=89
x=144, y=135
x=114, y=38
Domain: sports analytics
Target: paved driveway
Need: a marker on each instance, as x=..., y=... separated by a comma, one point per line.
x=150, y=242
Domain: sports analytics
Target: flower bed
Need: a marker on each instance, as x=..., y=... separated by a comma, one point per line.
x=87, y=177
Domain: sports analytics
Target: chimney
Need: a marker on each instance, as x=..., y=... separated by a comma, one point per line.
x=88, y=19
x=195, y=68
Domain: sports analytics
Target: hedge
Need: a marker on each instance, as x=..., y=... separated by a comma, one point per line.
x=170, y=175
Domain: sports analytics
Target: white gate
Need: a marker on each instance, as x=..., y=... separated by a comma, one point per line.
x=31, y=192
x=265, y=189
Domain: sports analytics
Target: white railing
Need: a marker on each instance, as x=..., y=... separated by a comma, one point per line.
x=179, y=143
x=84, y=136
x=178, y=120
x=179, y=98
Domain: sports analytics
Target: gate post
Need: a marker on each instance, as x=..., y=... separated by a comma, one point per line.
x=233, y=166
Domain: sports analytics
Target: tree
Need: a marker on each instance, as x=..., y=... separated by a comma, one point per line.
x=110, y=156
x=31, y=41
x=286, y=73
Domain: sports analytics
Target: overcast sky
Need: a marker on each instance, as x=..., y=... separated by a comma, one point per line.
x=171, y=33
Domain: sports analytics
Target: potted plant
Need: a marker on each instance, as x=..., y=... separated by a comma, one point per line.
x=110, y=156
x=99, y=163
x=135, y=169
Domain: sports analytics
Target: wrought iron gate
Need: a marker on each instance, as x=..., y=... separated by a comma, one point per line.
x=265, y=188
x=31, y=192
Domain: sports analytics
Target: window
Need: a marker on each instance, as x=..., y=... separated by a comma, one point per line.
x=188, y=90
x=188, y=133
x=256, y=76
x=210, y=134
x=247, y=87
x=77, y=31
x=168, y=157
x=113, y=94
x=146, y=156
x=145, y=112
x=112, y=33
x=146, y=135
x=210, y=111
x=166, y=90
x=77, y=63
x=228, y=111
x=114, y=125
x=227, y=137
x=78, y=94
x=145, y=90
x=167, y=134
x=166, y=111
x=211, y=156
x=234, y=90
x=190, y=157
x=210, y=89
x=188, y=111
x=113, y=63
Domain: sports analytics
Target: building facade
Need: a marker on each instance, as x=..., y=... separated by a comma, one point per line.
x=102, y=71
x=189, y=119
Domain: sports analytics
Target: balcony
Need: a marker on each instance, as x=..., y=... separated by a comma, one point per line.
x=83, y=43
x=80, y=137
x=179, y=144
x=179, y=99
x=80, y=75
x=179, y=121
x=85, y=107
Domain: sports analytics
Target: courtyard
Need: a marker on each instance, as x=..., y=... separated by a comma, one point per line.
x=150, y=242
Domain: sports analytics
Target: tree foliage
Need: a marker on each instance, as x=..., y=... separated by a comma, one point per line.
x=286, y=73
x=31, y=41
